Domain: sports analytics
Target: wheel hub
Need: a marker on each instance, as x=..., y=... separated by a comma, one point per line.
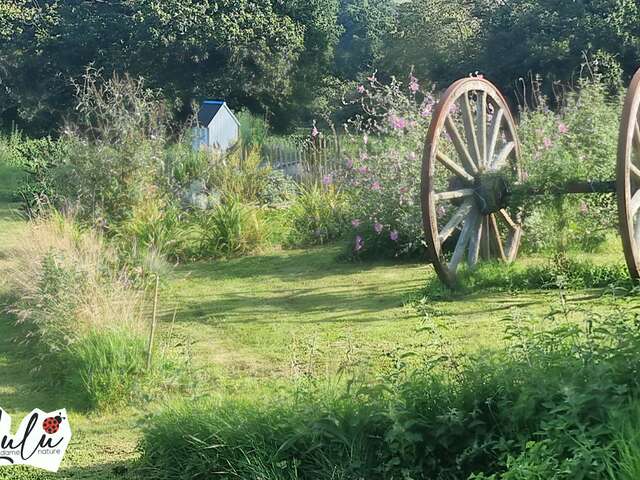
x=492, y=192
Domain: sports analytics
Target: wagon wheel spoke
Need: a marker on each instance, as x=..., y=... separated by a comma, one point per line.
x=636, y=137
x=634, y=170
x=455, y=220
x=501, y=159
x=481, y=122
x=453, y=194
x=458, y=143
x=474, y=242
x=463, y=240
x=507, y=218
x=494, y=133
x=453, y=167
x=496, y=235
x=635, y=203
x=469, y=130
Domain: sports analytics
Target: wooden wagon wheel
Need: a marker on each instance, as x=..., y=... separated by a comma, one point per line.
x=628, y=178
x=471, y=156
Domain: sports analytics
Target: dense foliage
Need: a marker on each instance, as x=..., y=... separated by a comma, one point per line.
x=292, y=60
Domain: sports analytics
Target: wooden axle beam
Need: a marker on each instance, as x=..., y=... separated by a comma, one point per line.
x=570, y=187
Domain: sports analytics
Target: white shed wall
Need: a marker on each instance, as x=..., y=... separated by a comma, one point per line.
x=223, y=130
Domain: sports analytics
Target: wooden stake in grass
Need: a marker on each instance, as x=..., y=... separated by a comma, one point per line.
x=153, y=323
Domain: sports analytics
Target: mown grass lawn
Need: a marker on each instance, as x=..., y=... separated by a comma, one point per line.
x=258, y=321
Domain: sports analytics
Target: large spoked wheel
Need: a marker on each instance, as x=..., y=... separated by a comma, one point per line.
x=471, y=157
x=628, y=178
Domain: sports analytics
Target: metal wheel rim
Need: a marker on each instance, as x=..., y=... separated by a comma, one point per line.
x=628, y=178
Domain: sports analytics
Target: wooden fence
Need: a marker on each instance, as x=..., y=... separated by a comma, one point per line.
x=307, y=159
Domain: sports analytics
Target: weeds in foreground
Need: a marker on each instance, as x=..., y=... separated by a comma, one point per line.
x=547, y=406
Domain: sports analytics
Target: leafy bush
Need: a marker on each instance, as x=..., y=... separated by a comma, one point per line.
x=544, y=407
x=254, y=130
x=382, y=171
x=317, y=215
x=37, y=158
x=576, y=144
x=278, y=189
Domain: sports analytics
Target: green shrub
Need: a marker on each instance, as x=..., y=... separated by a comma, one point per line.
x=317, y=215
x=542, y=408
x=577, y=143
x=278, y=189
x=37, y=159
x=240, y=175
x=253, y=129
x=231, y=228
x=158, y=228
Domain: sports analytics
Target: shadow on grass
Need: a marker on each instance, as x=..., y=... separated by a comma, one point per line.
x=290, y=265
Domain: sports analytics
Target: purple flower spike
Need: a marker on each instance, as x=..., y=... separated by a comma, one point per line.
x=377, y=227
x=393, y=235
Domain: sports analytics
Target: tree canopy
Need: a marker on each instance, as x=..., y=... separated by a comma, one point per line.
x=291, y=59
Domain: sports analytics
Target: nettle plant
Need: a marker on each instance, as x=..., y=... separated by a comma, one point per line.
x=382, y=169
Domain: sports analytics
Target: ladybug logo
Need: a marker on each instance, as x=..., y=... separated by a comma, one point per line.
x=52, y=424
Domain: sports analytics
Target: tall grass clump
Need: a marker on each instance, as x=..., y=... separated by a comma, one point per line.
x=547, y=406
x=78, y=315
x=317, y=215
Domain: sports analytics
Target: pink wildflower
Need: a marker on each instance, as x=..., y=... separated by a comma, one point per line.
x=584, y=208
x=361, y=89
x=377, y=227
x=397, y=122
x=314, y=132
x=355, y=223
x=375, y=186
x=547, y=142
x=363, y=170
x=413, y=84
x=327, y=180
x=393, y=235
x=562, y=128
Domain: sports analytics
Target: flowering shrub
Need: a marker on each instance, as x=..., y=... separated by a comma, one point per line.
x=577, y=143
x=382, y=169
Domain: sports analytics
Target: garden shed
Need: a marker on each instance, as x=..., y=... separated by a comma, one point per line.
x=217, y=126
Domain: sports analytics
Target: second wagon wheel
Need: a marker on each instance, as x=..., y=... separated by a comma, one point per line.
x=628, y=178
x=471, y=158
